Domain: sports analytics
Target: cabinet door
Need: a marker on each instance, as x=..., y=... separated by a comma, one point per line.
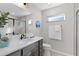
x=27, y=51
x=16, y=53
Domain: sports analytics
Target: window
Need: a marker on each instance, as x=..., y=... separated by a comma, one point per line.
x=56, y=18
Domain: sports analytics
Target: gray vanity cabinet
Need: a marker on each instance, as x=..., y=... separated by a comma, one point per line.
x=31, y=50
x=16, y=53
x=35, y=49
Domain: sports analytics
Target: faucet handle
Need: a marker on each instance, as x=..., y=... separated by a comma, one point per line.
x=22, y=36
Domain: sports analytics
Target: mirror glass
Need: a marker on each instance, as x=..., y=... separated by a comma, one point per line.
x=14, y=27
x=8, y=28
x=19, y=27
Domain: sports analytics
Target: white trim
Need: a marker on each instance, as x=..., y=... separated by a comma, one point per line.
x=61, y=53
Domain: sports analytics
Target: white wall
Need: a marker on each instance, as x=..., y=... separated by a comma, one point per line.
x=66, y=45
x=36, y=14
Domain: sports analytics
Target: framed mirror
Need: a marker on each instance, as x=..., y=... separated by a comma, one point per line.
x=19, y=27
x=14, y=27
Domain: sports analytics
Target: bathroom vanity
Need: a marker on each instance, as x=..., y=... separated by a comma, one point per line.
x=25, y=47
x=17, y=47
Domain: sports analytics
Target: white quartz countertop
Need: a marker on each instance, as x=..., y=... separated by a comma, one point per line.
x=16, y=44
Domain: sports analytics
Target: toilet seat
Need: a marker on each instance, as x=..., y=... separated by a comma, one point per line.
x=46, y=45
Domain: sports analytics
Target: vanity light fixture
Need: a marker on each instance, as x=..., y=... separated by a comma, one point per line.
x=29, y=22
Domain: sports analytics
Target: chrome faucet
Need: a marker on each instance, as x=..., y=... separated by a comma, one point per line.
x=22, y=36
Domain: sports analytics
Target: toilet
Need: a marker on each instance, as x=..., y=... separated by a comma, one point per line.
x=47, y=49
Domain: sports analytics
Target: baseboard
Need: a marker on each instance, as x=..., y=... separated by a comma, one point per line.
x=59, y=53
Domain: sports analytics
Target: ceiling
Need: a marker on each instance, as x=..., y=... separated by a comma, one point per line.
x=13, y=9
x=44, y=6
x=18, y=11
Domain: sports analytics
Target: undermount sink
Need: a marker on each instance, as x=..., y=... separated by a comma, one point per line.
x=24, y=41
